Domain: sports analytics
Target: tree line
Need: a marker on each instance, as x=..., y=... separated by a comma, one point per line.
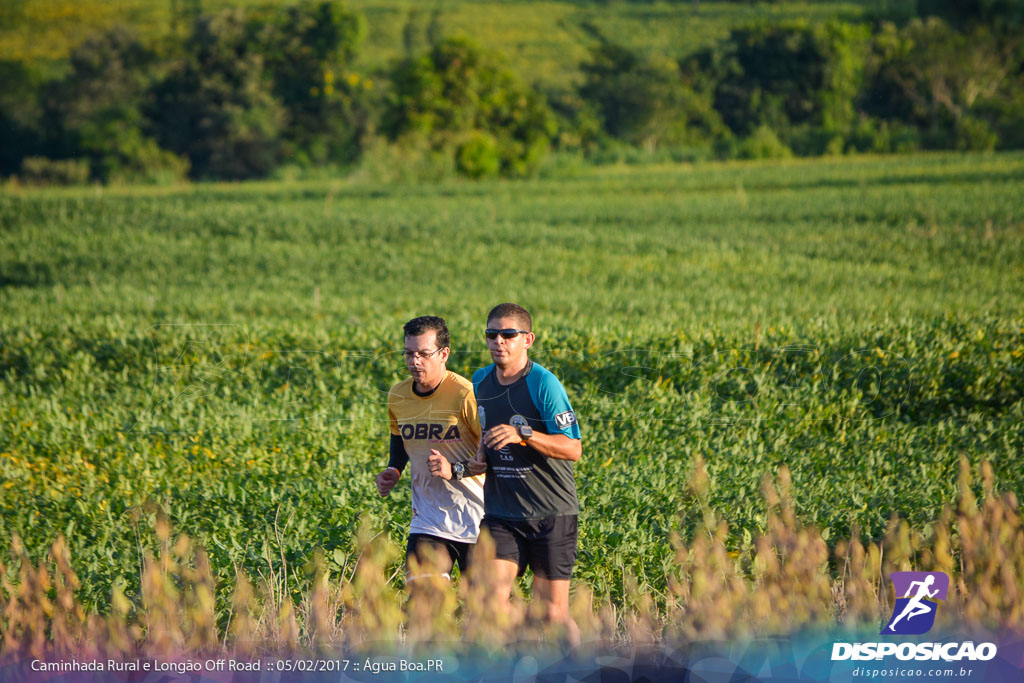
x=245, y=92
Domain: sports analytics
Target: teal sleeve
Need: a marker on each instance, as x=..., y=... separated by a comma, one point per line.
x=553, y=404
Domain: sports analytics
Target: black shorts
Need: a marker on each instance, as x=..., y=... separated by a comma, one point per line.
x=424, y=546
x=547, y=545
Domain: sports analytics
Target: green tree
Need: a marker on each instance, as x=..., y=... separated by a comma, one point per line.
x=95, y=112
x=579, y=125
x=21, y=132
x=216, y=107
x=646, y=101
x=939, y=79
x=1004, y=17
x=458, y=91
x=308, y=50
x=790, y=75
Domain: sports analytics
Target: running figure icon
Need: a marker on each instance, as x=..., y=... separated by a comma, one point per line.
x=917, y=599
x=916, y=605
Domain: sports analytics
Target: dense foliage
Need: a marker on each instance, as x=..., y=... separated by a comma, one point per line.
x=216, y=107
x=255, y=91
x=241, y=93
x=460, y=96
x=645, y=102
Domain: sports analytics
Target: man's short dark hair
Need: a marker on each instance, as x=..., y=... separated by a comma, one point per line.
x=515, y=311
x=424, y=324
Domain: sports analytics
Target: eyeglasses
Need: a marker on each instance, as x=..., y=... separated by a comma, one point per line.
x=421, y=355
x=508, y=333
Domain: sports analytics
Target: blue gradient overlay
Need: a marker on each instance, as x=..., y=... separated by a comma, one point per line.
x=801, y=657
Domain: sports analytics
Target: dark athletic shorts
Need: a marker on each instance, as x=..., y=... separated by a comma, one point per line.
x=547, y=545
x=456, y=552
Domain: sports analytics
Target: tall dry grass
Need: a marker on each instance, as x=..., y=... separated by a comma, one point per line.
x=791, y=581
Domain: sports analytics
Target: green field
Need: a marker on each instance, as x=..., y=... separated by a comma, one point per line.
x=545, y=41
x=223, y=351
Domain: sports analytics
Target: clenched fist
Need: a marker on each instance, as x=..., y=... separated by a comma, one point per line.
x=477, y=464
x=386, y=480
x=439, y=465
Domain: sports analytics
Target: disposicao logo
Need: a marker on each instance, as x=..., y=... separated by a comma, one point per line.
x=914, y=612
x=917, y=600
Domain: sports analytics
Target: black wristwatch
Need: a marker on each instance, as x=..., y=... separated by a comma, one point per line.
x=458, y=471
x=525, y=432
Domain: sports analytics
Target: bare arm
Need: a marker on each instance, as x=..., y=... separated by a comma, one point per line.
x=557, y=446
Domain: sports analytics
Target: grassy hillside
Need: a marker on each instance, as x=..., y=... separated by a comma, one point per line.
x=545, y=41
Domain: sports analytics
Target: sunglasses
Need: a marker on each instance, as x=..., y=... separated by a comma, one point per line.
x=507, y=333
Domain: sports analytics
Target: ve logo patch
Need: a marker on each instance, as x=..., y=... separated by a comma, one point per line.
x=565, y=420
x=917, y=600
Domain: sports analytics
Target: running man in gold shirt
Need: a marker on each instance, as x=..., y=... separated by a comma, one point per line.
x=435, y=429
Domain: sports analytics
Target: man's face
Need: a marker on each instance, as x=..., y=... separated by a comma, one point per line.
x=508, y=351
x=425, y=361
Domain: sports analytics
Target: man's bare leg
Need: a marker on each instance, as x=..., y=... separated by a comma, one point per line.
x=503, y=576
x=554, y=596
